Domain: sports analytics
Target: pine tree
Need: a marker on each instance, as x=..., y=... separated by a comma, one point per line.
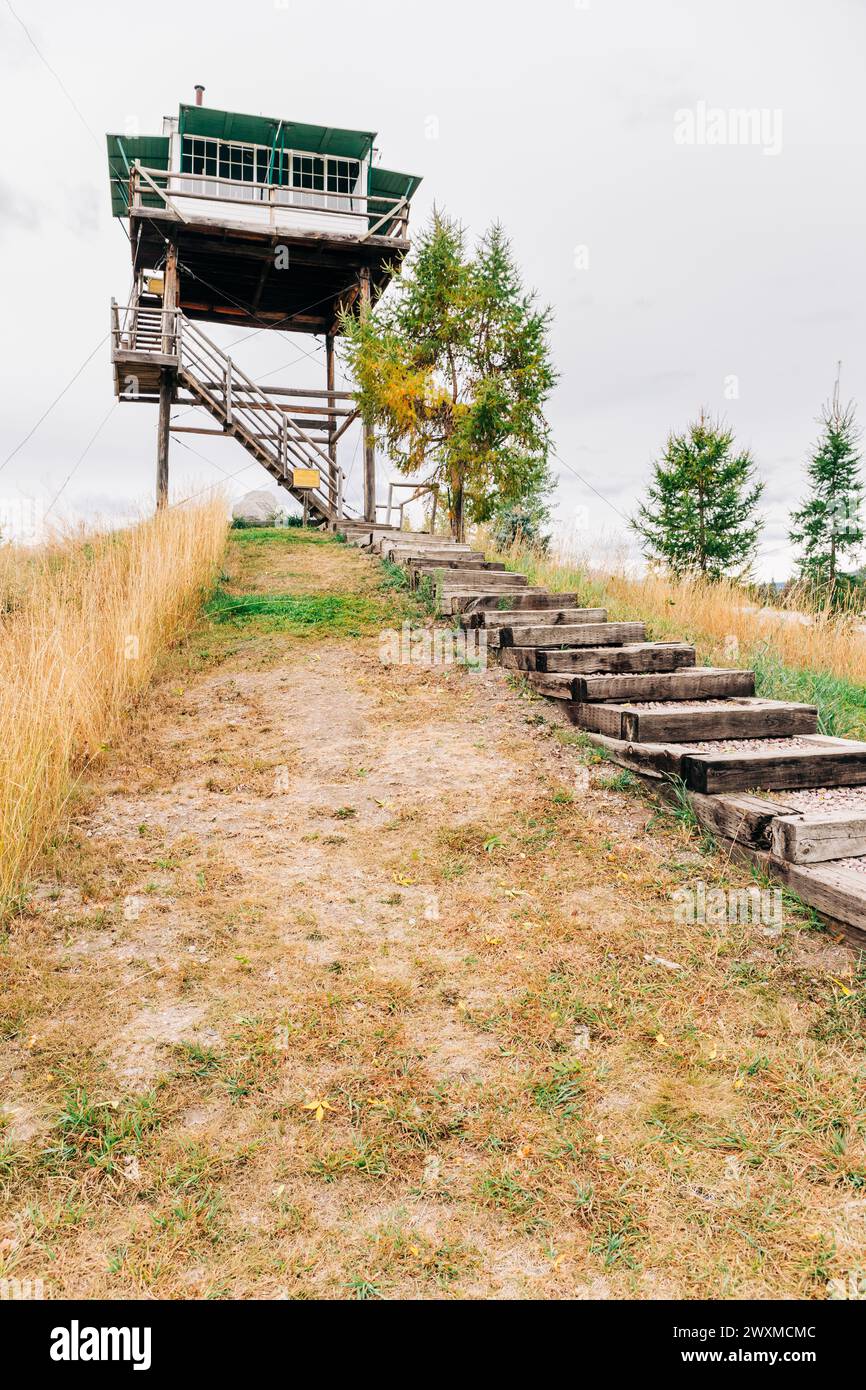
x=699, y=514
x=828, y=526
x=454, y=369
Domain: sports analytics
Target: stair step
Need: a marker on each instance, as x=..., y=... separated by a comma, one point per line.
x=423, y=545
x=690, y=683
x=458, y=599
x=539, y=617
x=594, y=634
x=528, y=598
x=700, y=682
x=694, y=723
x=641, y=656
x=817, y=837
x=811, y=762
x=425, y=566
x=413, y=555
x=456, y=577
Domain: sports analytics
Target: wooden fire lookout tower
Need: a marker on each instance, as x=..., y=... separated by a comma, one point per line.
x=258, y=223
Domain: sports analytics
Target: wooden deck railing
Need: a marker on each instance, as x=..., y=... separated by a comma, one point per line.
x=376, y=215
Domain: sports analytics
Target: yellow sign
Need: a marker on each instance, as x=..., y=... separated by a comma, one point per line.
x=306, y=478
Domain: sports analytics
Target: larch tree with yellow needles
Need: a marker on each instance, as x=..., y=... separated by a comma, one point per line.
x=454, y=370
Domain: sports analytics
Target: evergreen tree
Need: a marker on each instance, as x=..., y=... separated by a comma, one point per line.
x=453, y=371
x=699, y=513
x=828, y=526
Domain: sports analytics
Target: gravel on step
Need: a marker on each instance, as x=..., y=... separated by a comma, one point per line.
x=825, y=799
x=751, y=745
x=687, y=704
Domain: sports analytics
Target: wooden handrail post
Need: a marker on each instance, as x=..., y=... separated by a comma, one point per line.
x=228, y=391
x=330, y=379
x=168, y=375
x=369, y=436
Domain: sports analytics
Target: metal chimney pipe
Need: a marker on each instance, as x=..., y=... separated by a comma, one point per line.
x=199, y=93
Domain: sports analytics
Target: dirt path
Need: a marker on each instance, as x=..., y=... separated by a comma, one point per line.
x=358, y=981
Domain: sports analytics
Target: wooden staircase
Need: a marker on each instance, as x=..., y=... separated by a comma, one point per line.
x=656, y=712
x=147, y=339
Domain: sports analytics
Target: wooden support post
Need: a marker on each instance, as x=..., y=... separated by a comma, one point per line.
x=168, y=376
x=166, y=388
x=330, y=366
x=369, y=437
x=169, y=300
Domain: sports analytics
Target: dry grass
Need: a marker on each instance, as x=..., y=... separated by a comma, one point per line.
x=418, y=898
x=83, y=623
x=720, y=616
x=798, y=652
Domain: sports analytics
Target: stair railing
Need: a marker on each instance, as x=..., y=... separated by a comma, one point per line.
x=251, y=411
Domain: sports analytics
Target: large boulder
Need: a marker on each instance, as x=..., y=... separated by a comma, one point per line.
x=258, y=508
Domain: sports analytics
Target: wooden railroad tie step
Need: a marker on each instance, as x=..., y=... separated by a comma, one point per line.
x=690, y=683
x=538, y=617
x=814, y=762
x=638, y=656
x=594, y=634
x=457, y=577
x=695, y=683
x=435, y=569
x=457, y=598
x=695, y=723
x=534, y=598
x=816, y=837
x=469, y=559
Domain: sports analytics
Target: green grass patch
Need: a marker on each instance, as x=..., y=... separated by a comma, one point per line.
x=319, y=615
x=247, y=536
x=841, y=704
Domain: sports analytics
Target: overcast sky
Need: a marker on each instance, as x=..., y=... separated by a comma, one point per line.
x=681, y=274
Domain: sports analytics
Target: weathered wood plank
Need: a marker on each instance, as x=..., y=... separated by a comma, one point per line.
x=745, y=819
x=822, y=763
x=573, y=635
x=452, y=601
x=598, y=718
x=815, y=837
x=838, y=894
x=653, y=760
x=693, y=683
x=470, y=559
x=642, y=656
x=532, y=597
x=459, y=577
x=453, y=562
x=540, y=617
x=732, y=719
x=554, y=686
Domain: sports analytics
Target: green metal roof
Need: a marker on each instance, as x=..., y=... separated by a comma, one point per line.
x=260, y=130
x=387, y=183
x=153, y=152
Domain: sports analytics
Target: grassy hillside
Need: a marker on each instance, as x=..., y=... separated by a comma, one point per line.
x=798, y=654
x=83, y=623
